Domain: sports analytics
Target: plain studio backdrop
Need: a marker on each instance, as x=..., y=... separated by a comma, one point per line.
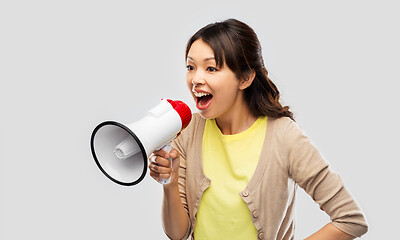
x=66, y=66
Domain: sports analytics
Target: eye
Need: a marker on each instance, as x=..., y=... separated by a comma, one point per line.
x=212, y=69
x=189, y=67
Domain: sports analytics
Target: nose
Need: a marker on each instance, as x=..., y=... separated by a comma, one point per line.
x=198, y=78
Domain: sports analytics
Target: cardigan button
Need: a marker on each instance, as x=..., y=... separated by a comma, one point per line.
x=245, y=194
x=255, y=213
x=261, y=235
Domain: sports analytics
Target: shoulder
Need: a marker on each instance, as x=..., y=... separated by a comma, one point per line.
x=281, y=122
x=283, y=126
x=286, y=132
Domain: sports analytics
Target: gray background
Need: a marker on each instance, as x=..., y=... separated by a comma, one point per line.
x=66, y=66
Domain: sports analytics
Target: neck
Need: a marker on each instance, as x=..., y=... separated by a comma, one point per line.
x=237, y=120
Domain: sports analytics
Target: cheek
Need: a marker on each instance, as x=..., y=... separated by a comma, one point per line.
x=227, y=88
x=227, y=96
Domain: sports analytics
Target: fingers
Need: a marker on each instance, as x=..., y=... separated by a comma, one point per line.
x=160, y=168
x=161, y=153
x=159, y=172
x=158, y=176
x=161, y=161
x=172, y=154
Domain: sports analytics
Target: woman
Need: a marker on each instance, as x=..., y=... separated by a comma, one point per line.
x=237, y=165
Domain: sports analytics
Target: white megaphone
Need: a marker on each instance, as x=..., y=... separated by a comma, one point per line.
x=121, y=151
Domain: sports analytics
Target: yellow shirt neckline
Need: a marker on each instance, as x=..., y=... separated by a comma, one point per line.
x=238, y=136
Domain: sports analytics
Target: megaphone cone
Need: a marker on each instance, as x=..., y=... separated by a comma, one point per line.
x=121, y=151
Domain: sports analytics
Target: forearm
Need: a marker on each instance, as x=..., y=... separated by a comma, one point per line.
x=330, y=232
x=174, y=216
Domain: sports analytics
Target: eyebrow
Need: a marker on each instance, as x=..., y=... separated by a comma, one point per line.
x=205, y=60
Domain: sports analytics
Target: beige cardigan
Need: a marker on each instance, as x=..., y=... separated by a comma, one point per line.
x=287, y=159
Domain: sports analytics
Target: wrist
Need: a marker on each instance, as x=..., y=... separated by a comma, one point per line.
x=171, y=187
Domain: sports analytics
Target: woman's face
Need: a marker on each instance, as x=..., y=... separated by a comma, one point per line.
x=216, y=90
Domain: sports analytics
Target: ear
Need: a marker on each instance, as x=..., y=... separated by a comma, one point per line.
x=247, y=80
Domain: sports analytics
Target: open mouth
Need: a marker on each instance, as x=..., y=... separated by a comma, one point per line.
x=203, y=100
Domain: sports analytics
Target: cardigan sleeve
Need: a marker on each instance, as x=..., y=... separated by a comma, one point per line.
x=178, y=144
x=312, y=173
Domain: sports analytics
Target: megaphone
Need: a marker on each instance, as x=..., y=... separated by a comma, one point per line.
x=121, y=151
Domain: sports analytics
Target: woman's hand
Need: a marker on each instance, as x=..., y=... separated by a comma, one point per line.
x=160, y=167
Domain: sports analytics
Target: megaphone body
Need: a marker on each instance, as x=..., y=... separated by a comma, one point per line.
x=121, y=151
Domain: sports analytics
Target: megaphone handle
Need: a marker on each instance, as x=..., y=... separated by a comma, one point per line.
x=167, y=147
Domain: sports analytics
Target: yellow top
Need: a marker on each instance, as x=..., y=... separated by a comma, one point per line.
x=229, y=161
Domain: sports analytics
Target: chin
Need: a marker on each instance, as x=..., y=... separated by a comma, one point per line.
x=206, y=115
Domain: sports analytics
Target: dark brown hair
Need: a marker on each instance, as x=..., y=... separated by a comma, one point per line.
x=236, y=44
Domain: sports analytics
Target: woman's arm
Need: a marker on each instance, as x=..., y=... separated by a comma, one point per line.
x=330, y=232
x=312, y=173
x=174, y=216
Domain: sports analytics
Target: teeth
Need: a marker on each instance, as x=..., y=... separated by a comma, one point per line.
x=200, y=94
